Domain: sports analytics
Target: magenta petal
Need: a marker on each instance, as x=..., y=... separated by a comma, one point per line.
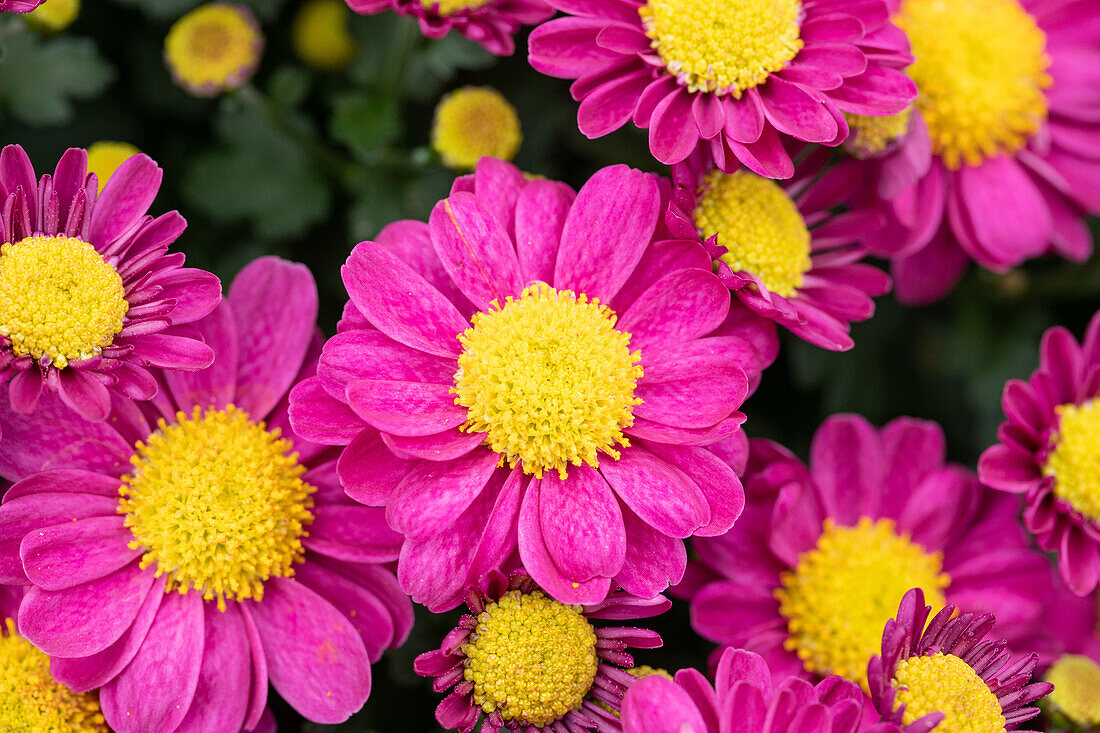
x=196, y=293
x=352, y=533
x=257, y=693
x=694, y=392
x=612, y=103
x=930, y=273
x=168, y=351
x=433, y=495
x=673, y=133
x=221, y=695
x=847, y=463
x=355, y=602
x=21, y=515
x=368, y=471
x=606, y=232
x=661, y=495
x=411, y=243
x=877, y=91
x=1005, y=209
x=581, y=523
x=124, y=200
x=653, y=562
x=796, y=113
x=566, y=47
x=84, y=394
x=715, y=479
x=1004, y=468
x=444, y=446
x=370, y=354
x=405, y=408
x=541, y=210
x=319, y=417
x=316, y=659
x=65, y=555
x=168, y=662
x=658, y=705
x=274, y=305
x=65, y=481
x=682, y=305
x=24, y=390
x=215, y=385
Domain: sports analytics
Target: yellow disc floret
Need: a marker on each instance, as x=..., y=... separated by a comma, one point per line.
x=981, y=70
x=1076, y=694
x=54, y=15
x=472, y=123
x=841, y=593
x=721, y=46
x=218, y=504
x=549, y=379
x=1075, y=461
x=59, y=299
x=945, y=684
x=869, y=135
x=760, y=227
x=450, y=7
x=212, y=48
x=32, y=701
x=105, y=156
x=321, y=36
x=531, y=658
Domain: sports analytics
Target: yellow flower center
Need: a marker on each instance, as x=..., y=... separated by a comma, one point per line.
x=946, y=684
x=212, y=46
x=842, y=592
x=531, y=658
x=218, y=503
x=869, y=135
x=760, y=227
x=32, y=701
x=59, y=299
x=981, y=70
x=321, y=36
x=54, y=15
x=1076, y=694
x=472, y=123
x=721, y=46
x=549, y=379
x=104, y=158
x=1075, y=461
x=450, y=7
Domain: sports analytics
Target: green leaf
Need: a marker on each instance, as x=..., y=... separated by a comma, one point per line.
x=364, y=122
x=40, y=78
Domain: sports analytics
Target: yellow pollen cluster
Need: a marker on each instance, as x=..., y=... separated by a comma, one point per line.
x=59, y=299
x=869, y=134
x=1076, y=694
x=212, y=47
x=531, y=658
x=549, y=379
x=218, y=503
x=841, y=593
x=721, y=46
x=321, y=36
x=981, y=70
x=54, y=15
x=450, y=7
x=472, y=123
x=32, y=701
x=944, y=683
x=105, y=156
x=760, y=227
x=1075, y=461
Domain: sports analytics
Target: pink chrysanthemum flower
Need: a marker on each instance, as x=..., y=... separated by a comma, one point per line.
x=90, y=299
x=947, y=676
x=781, y=249
x=824, y=552
x=529, y=370
x=1000, y=160
x=731, y=77
x=492, y=23
x=1048, y=452
x=180, y=566
x=521, y=661
x=743, y=699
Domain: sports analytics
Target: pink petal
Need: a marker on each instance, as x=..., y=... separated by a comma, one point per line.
x=541, y=211
x=215, y=385
x=846, y=460
x=124, y=200
x=658, y=705
x=661, y=495
x=317, y=416
x=84, y=394
x=581, y=523
x=369, y=471
x=717, y=480
x=405, y=408
x=352, y=533
x=354, y=601
x=169, y=351
x=433, y=495
x=672, y=130
x=796, y=113
x=653, y=561
x=221, y=695
x=65, y=555
x=1006, y=211
x=682, y=305
x=694, y=392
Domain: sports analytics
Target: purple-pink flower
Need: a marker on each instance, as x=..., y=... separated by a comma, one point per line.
x=733, y=78
x=90, y=298
x=529, y=372
x=185, y=553
x=1048, y=452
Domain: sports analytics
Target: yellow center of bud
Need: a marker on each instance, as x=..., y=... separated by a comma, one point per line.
x=321, y=36
x=472, y=123
x=450, y=7
x=212, y=47
x=1075, y=461
x=945, y=684
x=1076, y=694
x=869, y=135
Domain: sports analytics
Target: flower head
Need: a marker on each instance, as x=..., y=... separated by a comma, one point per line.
x=520, y=659
x=781, y=249
x=946, y=675
x=1047, y=452
x=321, y=37
x=530, y=371
x=213, y=48
x=105, y=157
x=728, y=78
x=182, y=556
x=743, y=698
x=824, y=552
x=474, y=122
x=90, y=299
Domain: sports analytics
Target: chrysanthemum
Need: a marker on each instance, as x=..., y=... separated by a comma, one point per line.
x=89, y=296
x=1002, y=159
x=492, y=23
x=732, y=77
x=522, y=661
x=947, y=676
x=528, y=367
x=823, y=553
x=180, y=566
x=781, y=249
x=474, y=122
x=321, y=36
x=105, y=156
x=213, y=48
x=743, y=700
x=1048, y=452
